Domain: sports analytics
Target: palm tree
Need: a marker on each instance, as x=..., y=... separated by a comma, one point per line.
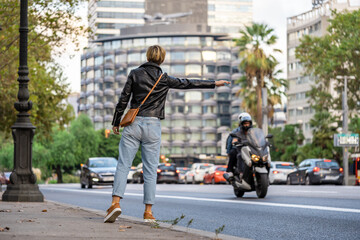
x=259, y=68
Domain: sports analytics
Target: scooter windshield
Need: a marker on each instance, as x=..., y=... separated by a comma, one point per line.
x=256, y=138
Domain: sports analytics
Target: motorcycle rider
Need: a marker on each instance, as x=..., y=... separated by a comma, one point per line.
x=236, y=165
x=231, y=149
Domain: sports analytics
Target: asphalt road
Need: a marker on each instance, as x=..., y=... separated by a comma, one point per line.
x=287, y=212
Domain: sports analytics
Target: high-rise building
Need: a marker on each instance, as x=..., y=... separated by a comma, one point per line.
x=313, y=22
x=194, y=119
x=229, y=16
x=108, y=17
x=197, y=10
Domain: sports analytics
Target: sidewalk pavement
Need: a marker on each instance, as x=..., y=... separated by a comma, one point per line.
x=51, y=220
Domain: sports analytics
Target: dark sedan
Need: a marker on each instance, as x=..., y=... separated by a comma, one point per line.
x=317, y=171
x=98, y=171
x=168, y=173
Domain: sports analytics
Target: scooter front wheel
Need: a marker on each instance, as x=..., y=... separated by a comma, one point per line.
x=262, y=184
x=238, y=193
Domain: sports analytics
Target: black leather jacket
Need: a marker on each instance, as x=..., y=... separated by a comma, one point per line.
x=139, y=83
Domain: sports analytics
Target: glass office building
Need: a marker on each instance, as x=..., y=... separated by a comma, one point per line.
x=194, y=119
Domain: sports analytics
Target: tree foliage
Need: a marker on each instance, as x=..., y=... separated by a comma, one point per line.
x=260, y=69
x=51, y=24
x=327, y=57
x=335, y=54
x=286, y=142
x=67, y=149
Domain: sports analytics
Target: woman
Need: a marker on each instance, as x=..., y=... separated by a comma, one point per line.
x=145, y=131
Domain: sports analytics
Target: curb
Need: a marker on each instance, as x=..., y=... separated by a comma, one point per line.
x=163, y=225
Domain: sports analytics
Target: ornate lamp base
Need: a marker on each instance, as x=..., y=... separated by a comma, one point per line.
x=22, y=193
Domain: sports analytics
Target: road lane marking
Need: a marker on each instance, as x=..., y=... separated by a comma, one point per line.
x=313, y=207
x=304, y=191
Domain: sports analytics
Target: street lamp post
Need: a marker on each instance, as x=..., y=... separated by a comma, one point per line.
x=345, y=127
x=23, y=187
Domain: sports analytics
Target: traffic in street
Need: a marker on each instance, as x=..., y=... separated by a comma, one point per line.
x=287, y=212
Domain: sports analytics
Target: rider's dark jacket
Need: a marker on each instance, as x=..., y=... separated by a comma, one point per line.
x=138, y=85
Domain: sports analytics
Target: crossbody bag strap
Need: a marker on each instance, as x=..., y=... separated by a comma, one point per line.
x=151, y=90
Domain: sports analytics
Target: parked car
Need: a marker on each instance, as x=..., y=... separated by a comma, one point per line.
x=167, y=173
x=98, y=171
x=130, y=175
x=279, y=171
x=197, y=172
x=215, y=174
x=2, y=180
x=138, y=174
x=182, y=172
x=317, y=171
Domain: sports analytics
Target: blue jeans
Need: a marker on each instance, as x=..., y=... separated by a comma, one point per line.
x=144, y=132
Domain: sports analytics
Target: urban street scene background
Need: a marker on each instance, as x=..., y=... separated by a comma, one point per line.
x=294, y=66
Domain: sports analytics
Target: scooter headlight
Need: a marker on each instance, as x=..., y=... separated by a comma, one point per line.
x=255, y=158
x=93, y=174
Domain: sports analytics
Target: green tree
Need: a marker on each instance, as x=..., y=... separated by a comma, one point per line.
x=87, y=140
x=109, y=147
x=324, y=127
x=354, y=125
x=335, y=54
x=325, y=58
x=286, y=142
x=51, y=23
x=61, y=152
x=259, y=67
x=41, y=156
x=7, y=157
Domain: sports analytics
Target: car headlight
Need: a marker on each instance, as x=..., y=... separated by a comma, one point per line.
x=93, y=174
x=255, y=158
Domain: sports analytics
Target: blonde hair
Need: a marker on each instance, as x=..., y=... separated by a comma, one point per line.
x=156, y=54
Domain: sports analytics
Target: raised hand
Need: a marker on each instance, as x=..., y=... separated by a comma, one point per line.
x=221, y=83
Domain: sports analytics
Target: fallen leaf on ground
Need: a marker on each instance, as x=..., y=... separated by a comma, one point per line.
x=20, y=210
x=123, y=226
x=4, y=229
x=121, y=230
x=26, y=220
x=44, y=210
x=5, y=210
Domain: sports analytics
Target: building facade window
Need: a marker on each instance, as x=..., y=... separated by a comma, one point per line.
x=90, y=62
x=193, y=69
x=177, y=69
x=121, y=58
x=99, y=60
x=109, y=59
x=209, y=55
x=193, y=56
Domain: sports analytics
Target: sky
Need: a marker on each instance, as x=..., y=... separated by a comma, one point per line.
x=274, y=13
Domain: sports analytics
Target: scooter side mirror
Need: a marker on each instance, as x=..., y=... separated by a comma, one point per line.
x=233, y=135
x=269, y=136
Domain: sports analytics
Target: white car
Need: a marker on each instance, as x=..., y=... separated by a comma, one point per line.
x=130, y=175
x=197, y=172
x=279, y=171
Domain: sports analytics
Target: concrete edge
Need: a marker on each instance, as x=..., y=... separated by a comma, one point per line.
x=164, y=225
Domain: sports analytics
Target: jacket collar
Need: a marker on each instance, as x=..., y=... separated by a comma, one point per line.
x=152, y=64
